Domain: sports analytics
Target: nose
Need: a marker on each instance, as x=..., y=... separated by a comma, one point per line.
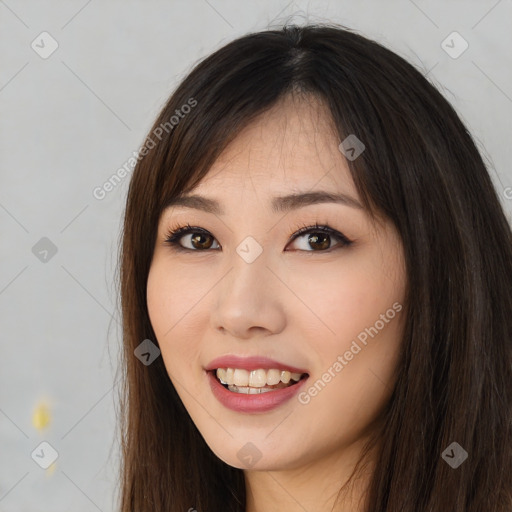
x=249, y=299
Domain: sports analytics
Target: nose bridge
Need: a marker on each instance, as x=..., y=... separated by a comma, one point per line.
x=247, y=296
x=249, y=269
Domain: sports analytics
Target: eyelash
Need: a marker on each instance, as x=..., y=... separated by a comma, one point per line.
x=175, y=233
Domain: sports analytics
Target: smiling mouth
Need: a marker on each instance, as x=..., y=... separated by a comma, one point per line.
x=257, y=381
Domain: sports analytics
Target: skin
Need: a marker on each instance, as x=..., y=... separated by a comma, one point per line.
x=296, y=303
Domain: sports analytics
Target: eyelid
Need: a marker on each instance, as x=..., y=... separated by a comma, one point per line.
x=321, y=228
x=174, y=235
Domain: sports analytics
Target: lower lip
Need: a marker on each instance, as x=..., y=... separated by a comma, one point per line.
x=262, y=402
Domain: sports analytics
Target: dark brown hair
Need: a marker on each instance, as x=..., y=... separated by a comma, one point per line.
x=423, y=172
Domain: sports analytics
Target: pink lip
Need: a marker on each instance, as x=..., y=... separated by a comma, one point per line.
x=250, y=363
x=263, y=402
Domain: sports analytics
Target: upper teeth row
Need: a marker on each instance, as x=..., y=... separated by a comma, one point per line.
x=255, y=378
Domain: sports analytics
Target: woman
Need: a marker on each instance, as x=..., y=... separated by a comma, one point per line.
x=374, y=375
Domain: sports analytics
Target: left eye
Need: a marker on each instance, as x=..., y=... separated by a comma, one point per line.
x=320, y=238
x=316, y=237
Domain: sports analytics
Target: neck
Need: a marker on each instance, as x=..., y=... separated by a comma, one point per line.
x=312, y=486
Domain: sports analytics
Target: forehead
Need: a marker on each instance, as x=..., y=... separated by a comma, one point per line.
x=291, y=147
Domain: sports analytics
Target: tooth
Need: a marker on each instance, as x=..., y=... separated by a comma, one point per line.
x=285, y=376
x=241, y=377
x=258, y=378
x=273, y=377
x=229, y=376
x=249, y=390
x=221, y=375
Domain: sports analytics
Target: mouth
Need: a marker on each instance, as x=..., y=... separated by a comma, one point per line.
x=254, y=382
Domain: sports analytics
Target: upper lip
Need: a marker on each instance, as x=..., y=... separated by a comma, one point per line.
x=250, y=363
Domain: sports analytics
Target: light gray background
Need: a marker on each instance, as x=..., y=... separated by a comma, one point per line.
x=68, y=122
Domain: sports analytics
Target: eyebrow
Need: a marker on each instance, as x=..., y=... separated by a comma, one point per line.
x=278, y=204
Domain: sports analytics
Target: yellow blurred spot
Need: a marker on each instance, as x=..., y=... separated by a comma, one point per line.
x=51, y=470
x=41, y=417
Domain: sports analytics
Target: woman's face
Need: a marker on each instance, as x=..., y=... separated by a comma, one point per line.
x=245, y=286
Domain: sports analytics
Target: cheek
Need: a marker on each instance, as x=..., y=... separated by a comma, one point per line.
x=355, y=370
x=173, y=307
x=360, y=305
x=345, y=299
x=158, y=294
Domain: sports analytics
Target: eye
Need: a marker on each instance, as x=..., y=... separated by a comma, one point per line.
x=319, y=238
x=198, y=237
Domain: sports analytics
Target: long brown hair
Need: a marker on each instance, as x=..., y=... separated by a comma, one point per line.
x=423, y=172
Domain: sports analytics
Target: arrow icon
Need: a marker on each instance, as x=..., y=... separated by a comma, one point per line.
x=44, y=455
x=454, y=455
x=44, y=45
x=351, y=147
x=454, y=45
x=249, y=454
x=249, y=249
x=44, y=250
x=146, y=352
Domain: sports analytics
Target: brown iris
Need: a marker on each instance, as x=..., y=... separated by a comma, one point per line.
x=320, y=241
x=197, y=239
x=314, y=239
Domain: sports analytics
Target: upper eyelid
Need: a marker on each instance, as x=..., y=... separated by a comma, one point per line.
x=186, y=229
x=176, y=234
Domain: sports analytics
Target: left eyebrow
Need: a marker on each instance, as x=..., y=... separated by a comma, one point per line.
x=279, y=204
x=295, y=201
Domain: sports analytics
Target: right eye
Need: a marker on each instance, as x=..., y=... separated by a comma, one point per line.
x=198, y=238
